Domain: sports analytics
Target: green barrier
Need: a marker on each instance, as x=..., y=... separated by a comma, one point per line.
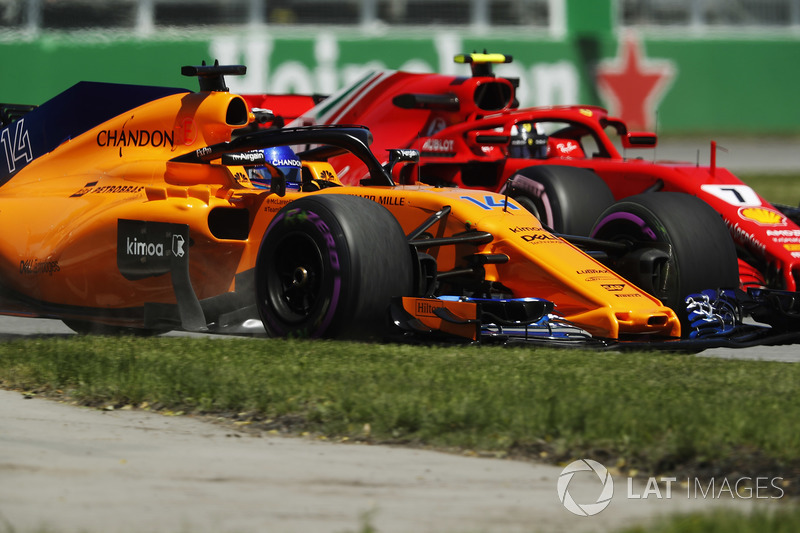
x=733, y=86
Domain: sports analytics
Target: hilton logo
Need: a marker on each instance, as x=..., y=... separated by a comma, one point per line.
x=427, y=308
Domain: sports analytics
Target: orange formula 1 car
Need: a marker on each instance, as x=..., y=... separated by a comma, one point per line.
x=137, y=209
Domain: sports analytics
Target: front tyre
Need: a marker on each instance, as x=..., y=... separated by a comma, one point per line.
x=328, y=267
x=692, y=248
x=565, y=199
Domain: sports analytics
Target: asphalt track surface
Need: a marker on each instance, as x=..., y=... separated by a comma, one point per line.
x=70, y=469
x=740, y=155
x=67, y=469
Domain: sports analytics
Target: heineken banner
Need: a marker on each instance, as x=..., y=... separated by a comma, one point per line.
x=677, y=85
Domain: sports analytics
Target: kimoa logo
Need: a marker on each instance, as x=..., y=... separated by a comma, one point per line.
x=154, y=249
x=586, y=509
x=137, y=247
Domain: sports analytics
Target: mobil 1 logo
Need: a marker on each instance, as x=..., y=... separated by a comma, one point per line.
x=146, y=249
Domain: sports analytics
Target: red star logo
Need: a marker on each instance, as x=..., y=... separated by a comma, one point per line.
x=633, y=85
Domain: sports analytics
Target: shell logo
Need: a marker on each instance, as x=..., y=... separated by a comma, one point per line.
x=586, y=112
x=762, y=216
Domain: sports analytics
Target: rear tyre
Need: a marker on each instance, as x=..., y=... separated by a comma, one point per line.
x=567, y=200
x=328, y=267
x=700, y=253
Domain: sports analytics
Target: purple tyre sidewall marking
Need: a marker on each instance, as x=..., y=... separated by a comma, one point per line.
x=626, y=217
x=333, y=261
x=537, y=190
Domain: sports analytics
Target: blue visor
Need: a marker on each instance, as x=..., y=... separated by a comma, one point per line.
x=293, y=174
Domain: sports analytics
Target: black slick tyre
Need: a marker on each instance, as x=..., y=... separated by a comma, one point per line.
x=567, y=200
x=700, y=253
x=328, y=267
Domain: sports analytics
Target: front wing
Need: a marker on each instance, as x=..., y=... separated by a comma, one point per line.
x=719, y=319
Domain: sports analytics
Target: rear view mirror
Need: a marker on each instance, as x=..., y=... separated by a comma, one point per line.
x=277, y=184
x=639, y=139
x=490, y=137
x=399, y=155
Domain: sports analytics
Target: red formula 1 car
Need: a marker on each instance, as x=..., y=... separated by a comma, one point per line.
x=567, y=165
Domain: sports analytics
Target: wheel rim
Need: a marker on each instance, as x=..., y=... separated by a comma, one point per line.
x=628, y=228
x=530, y=205
x=294, y=284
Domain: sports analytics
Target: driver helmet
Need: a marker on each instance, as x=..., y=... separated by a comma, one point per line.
x=284, y=159
x=527, y=142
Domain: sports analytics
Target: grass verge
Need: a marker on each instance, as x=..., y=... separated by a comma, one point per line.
x=655, y=414
x=777, y=188
x=782, y=520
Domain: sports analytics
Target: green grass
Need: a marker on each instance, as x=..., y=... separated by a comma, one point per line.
x=782, y=520
x=655, y=413
x=779, y=188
